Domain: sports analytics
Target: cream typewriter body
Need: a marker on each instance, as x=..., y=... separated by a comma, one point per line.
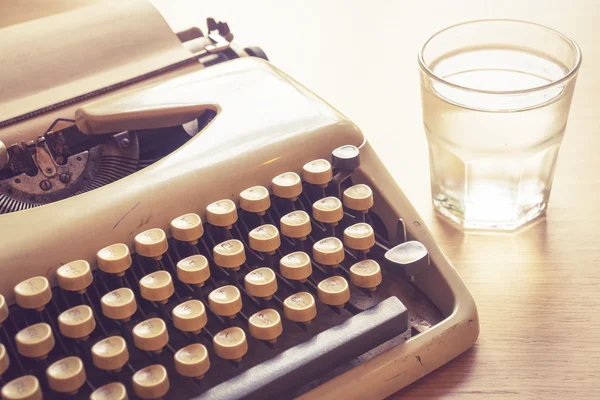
x=268, y=254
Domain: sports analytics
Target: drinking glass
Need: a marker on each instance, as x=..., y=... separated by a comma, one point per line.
x=496, y=96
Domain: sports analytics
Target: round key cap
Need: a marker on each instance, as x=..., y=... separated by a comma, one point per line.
x=261, y=282
x=358, y=197
x=3, y=310
x=229, y=254
x=410, y=258
x=328, y=210
x=151, y=382
x=35, y=341
x=157, y=286
x=151, y=243
x=110, y=391
x=300, y=307
x=187, y=228
x=151, y=335
x=328, y=251
x=77, y=322
x=75, y=276
x=334, y=291
x=190, y=316
x=4, y=360
x=231, y=344
x=296, y=225
x=192, y=361
x=33, y=293
x=66, y=375
x=110, y=354
x=346, y=157
x=317, y=172
x=296, y=266
x=222, y=213
x=287, y=185
x=359, y=236
x=225, y=301
x=24, y=388
x=366, y=274
x=265, y=325
x=264, y=238
x=255, y=199
x=114, y=259
x=193, y=270
x=119, y=304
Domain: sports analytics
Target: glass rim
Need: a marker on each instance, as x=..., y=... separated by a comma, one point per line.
x=557, y=82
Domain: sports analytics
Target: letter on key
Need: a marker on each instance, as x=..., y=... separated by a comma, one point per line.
x=296, y=225
x=33, y=293
x=328, y=210
x=410, y=258
x=66, y=375
x=296, y=266
x=231, y=344
x=157, y=286
x=225, y=301
x=77, y=322
x=265, y=325
x=190, y=316
x=229, y=254
x=255, y=200
x=261, y=282
x=151, y=382
x=366, y=274
x=328, y=251
x=222, y=213
x=287, y=185
x=358, y=197
x=110, y=354
x=35, y=341
x=24, y=388
x=334, y=291
x=151, y=335
x=192, y=361
x=264, y=238
x=193, y=270
x=359, y=237
x=114, y=259
x=119, y=304
x=187, y=228
x=317, y=172
x=151, y=243
x=300, y=307
x=75, y=276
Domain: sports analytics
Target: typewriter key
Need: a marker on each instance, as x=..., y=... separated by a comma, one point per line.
x=225, y=301
x=317, y=172
x=265, y=325
x=410, y=258
x=231, y=344
x=296, y=266
x=4, y=360
x=114, y=259
x=157, y=286
x=151, y=382
x=187, y=228
x=359, y=237
x=66, y=375
x=190, y=316
x=24, y=388
x=261, y=282
x=3, y=310
x=328, y=251
x=222, y=213
x=300, y=307
x=33, y=293
x=35, y=341
x=193, y=270
x=151, y=243
x=77, y=322
x=328, y=210
x=255, y=200
x=264, y=238
x=366, y=274
x=230, y=254
x=334, y=291
x=296, y=225
x=75, y=276
x=151, y=335
x=110, y=391
x=119, y=304
x=192, y=361
x=358, y=197
x=110, y=354
x=346, y=157
x=287, y=186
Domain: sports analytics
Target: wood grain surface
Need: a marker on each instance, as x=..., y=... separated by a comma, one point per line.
x=538, y=291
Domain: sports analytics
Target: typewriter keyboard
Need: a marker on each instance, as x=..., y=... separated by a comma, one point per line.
x=267, y=296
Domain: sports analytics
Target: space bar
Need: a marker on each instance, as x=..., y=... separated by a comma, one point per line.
x=310, y=360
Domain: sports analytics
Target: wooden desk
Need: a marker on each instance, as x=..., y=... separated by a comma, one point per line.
x=538, y=292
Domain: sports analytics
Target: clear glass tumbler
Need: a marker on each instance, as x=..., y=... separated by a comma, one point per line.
x=496, y=96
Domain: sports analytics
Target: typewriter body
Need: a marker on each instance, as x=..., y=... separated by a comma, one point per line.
x=214, y=231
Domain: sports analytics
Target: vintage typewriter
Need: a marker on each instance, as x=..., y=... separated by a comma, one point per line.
x=213, y=230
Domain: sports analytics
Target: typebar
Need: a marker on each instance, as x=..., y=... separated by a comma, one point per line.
x=317, y=356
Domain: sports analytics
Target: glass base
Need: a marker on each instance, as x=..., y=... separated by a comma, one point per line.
x=450, y=212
